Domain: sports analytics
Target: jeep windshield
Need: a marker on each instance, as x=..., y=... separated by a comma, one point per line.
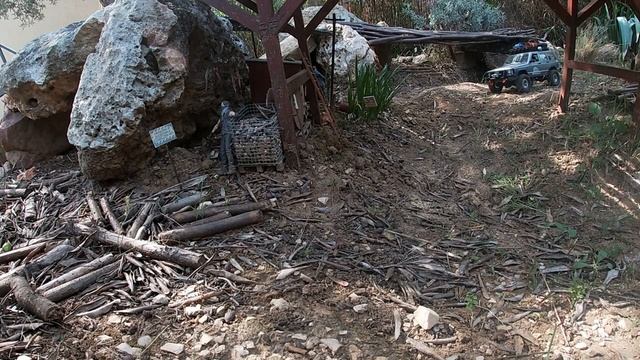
x=517, y=59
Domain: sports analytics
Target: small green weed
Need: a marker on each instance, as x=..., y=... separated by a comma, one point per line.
x=578, y=290
x=565, y=230
x=471, y=301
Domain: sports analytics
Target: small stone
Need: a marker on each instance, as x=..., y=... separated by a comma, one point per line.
x=360, y=308
x=125, y=348
x=301, y=337
x=238, y=352
x=311, y=343
x=624, y=324
x=23, y=357
x=103, y=339
x=204, y=353
x=380, y=358
x=114, y=319
x=219, y=339
x=205, y=339
x=174, y=348
x=323, y=200
x=161, y=299
x=581, y=345
x=144, y=341
x=203, y=319
x=192, y=310
x=279, y=304
x=453, y=357
x=333, y=344
x=249, y=345
x=220, y=349
x=479, y=357
x=229, y=316
x=343, y=332
x=425, y=317
x=354, y=352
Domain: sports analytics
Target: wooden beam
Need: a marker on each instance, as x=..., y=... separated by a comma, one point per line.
x=559, y=10
x=320, y=16
x=589, y=10
x=621, y=73
x=301, y=34
x=569, y=55
x=285, y=13
x=249, y=4
x=242, y=16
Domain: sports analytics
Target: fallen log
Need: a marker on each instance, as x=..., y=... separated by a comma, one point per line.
x=21, y=253
x=142, y=232
x=210, y=219
x=190, y=216
x=74, y=286
x=13, y=192
x=77, y=272
x=150, y=249
x=51, y=257
x=31, y=302
x=192, y=200
x=113, y=220
x=140, y=219
x=209, y=229
x=96, y=214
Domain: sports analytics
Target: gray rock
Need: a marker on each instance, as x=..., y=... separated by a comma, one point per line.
x=333, y=344
x=125, y=348
x=26, y=141
x=425, y=317
x=581, y=345
x=42, y=79
x=173, y=348
x=279, y=304
x=360, y=308
x=157, y=61
x=144, y=341
x=160, y=299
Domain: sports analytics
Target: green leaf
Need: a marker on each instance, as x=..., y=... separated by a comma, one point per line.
x=6, y=247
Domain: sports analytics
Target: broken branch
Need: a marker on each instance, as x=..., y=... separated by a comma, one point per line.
x=209, y=229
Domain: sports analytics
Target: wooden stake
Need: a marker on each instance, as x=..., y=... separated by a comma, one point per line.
x=142, y=216
x=77, y=272
x=150, y=249
x=190, y=216
x=192, y=200
x=74, y=286
x=31, y=302
x=210, y=219
x=209, y=229
x=96, y=214
x=113, y=220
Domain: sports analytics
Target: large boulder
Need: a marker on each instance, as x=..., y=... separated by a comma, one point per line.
x=26, y=141
x=42, y=79
x=157, y=61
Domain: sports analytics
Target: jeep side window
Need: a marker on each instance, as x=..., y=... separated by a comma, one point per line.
x=534, y=58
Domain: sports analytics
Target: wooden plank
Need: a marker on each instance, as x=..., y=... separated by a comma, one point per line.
x=589, y=10
x=297, y=80
x=240, y=15
x=621, y=73
x=301, y=35
x=285, y=13
x=569, y=55
x=560, y=11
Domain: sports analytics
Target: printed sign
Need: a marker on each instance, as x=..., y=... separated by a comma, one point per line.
x=370, y=102
x=163, y=135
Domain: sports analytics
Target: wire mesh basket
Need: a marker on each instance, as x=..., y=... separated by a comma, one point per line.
x=256, y=136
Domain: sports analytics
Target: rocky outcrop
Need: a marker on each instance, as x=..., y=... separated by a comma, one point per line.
x=26, y=141
x=156, y=62
x=42, y=80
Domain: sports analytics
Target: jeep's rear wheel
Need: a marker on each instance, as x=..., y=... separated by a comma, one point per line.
x=495, y=87
x=553, y=79
x=523, y=83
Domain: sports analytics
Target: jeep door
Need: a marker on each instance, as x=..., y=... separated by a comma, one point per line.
x=537, y=66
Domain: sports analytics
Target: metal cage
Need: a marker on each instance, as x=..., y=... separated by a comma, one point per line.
x=256, y=136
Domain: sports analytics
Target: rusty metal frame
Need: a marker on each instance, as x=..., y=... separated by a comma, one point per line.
x=267, y=24
x=572, y=17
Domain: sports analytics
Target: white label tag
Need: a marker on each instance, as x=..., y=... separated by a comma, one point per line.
x=163, y=135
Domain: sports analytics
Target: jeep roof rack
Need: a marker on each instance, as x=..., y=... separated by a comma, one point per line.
x=529, y=46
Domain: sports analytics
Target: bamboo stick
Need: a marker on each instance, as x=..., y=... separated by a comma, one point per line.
x=209, y=229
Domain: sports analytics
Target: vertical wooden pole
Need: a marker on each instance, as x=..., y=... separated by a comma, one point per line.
x=569, y=55
x=275, y=62
x=301, y=35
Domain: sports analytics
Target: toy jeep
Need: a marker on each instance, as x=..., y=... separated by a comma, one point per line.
x=521, y=70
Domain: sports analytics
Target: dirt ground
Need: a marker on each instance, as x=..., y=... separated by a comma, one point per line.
x=492, y=210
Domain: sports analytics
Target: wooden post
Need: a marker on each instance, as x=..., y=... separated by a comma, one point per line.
x=271, y=42
x=301, y=35
x=569, y=55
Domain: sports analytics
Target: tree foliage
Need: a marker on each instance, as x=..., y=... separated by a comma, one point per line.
x=465, y=15
x=27, y=11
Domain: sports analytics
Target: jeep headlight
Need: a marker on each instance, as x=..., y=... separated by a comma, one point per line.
x=509, y=72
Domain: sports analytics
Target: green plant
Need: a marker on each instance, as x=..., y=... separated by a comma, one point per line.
x=565, y=230
x=465, y=15
x=371, y=92
x=578, y=290
x=418, y=21
x=593, y=45
x=471, y=301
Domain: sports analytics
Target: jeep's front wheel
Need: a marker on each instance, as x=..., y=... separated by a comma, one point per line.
x=523, y=83
x=494, y=87
x=553, y=79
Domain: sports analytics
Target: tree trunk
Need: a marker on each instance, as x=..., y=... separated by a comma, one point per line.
x=31, y=302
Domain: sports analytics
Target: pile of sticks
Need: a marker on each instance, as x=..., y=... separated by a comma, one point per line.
x=61, y=241
x=627, y=92
x=380, y=35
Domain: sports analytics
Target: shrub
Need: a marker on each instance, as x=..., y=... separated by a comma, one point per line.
x=366, y=83
x=465, y=15
x=418, y=21
x=592, y=45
